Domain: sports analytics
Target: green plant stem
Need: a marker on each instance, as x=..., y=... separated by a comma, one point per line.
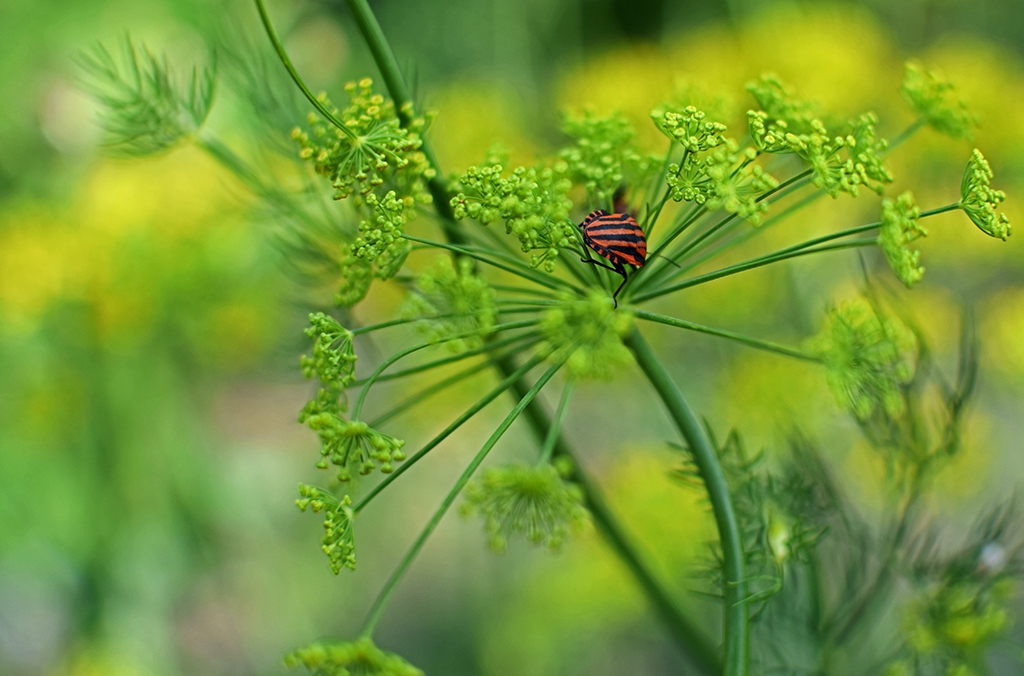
x=514, y=377
x=766, y=345
x=690, y=639
x=444, y=361
x=556, y=426
x=906, y=134
x=389, y=586
x=422, y=346
x=279, y=48
x=737, y=621
x=518, y=269
x=749, y=265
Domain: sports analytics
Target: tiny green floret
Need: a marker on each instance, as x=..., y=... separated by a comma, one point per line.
x=358, y=658
x=532, y=202
x=339, y=539
x=452, y=302
x=900, y=227
x=356, y=278
x=532, y=501
x=780, y=104
x=867, y=359
x=592, y=330
x=979, y=200
x=934, y=100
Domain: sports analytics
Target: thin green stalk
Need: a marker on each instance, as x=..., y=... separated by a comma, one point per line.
x=389, y=586
x=279, y=48
x=765, y=345
x=749, y=265
x=556, y=426
x=440, y=386
x=906, y=134
x=444, y=361
x=518, y=269
x=422, y=346
x=737, y=620
x=514, y=377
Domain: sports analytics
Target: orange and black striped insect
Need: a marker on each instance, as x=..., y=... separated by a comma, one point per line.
x=617, y=238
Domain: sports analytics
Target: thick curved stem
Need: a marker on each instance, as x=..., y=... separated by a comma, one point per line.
x=737, y=620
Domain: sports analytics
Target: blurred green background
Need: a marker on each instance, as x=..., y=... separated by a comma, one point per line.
x=150, y=328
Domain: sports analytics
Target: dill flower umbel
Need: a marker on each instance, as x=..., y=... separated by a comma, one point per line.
x=450, y=302
x=358, y=658
x=339, y=540
x=934, y=100
x=533, y=501
x=866, y=357
x=591, y=331
x=602, y=156
x=979, y=200
x=899, y=228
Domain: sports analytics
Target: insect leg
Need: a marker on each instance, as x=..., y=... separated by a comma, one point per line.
x=619, y=268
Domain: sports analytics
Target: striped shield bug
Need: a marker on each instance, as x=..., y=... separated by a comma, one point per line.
x=616, y=238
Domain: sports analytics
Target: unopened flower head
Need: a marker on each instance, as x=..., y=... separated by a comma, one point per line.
x=900, y=227
x=602, y=156
x=979, y=200
x=934, y=100
x=532, y=202
x=535, y=502
x=451, y=302
x=339, y=539
x=350, y=444
x=334, y=359
x=381, y=239
x=358, y=658
x=591, y=331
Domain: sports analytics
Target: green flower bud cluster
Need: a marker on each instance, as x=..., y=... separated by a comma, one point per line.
x=532, y=202
x=381, y=238
x=934, y=100
x=602, y=157
x=979, y=200
x=712, y=171
x=780, y=104
x=866, y=358
x=334, y=359
x=839, y=163
x=452, y=301
x=351, y=443
x=339, y=539
x=899, y=228
x=591, y=330
x=356, y=277
x=534, y=501
x=378, y=148
x=358, y=658
x=345, y=443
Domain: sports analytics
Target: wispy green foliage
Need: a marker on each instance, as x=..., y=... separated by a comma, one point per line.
x=451, y=302
x=144, y=107
x=590, y=330
x=934, y=100
x=900, y=227
x=339, y=540
x=868, y=358
x=602, y=156
x=535, y=502
x=374, y=149
x=532, y=202
x=358, y=658
x=979, y=200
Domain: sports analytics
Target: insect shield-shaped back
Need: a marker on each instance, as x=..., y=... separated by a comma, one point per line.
x=617, y=238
